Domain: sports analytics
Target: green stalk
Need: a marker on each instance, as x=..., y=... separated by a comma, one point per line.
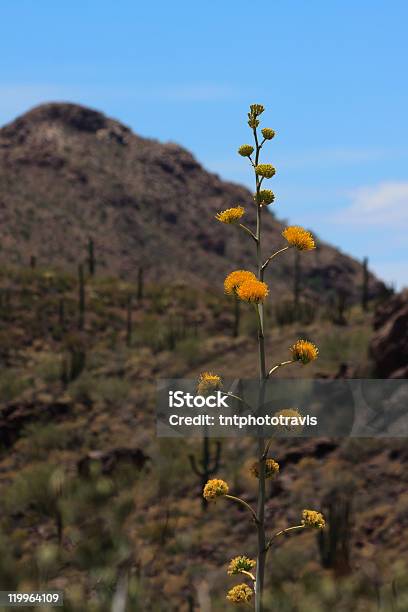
x=260, y=566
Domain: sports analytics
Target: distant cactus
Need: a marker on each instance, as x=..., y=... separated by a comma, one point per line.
x=129, y=325
x=61, y=313
x=74, y=362
x=172, y=334
x=334, y=543
x=364, y=291
x=91, y=257
x=81, y=296
x=209, y=465
x=190, y=602
x=140, y=284
x=342, y=296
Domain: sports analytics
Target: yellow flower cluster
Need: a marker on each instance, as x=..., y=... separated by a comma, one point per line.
x=268, y=133
x=215, y=488
x=299, y=237
x=271, y=468
x=254, y=111
x=264, y=197
x=252, y=290
x=289, y=412
x=231, y=215
x=240, y=564
x=235, y=279
x=293, y=427
x=246, y=150
x=257, y=109
x=304, y=351
x=311, y=518
x=208, y=383
x=241, y=593
x=265, y=170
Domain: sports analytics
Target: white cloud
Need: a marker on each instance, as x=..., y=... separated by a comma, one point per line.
x=381, y=205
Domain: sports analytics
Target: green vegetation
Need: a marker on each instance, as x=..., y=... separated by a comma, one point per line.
x=93, y=526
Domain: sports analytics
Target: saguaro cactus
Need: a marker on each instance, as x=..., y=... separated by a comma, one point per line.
x=61, y=312
x=207, y=466
x=129, y=325
x=74, y=361
x=342, y=296
x=140, y=284
x=364, y=290
x=91, y=257
x=334, y=543
x=81, y=296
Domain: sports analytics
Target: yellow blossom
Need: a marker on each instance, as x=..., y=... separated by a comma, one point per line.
x=299, y=237
x=235, y=279
x=268, y=133
x=252, y=290
x=241, y=593
x=215, y=488
x=208, y=383
x=246, y=150
x=264, y=197
x=240, y=564
x=271, y=468
x=311, y=518
x=304, y=351
x=231, y=215
x=294, y=426
x=256, y=109
x=265, y=170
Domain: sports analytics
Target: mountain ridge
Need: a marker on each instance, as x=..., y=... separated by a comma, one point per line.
x=68, y=172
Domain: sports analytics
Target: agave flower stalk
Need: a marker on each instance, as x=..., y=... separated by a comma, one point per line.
x=251, y=288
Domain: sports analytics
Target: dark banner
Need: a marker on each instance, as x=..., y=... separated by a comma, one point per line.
x=284, y=408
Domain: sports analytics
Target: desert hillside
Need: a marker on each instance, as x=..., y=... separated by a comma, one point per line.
x=68, y=173
x=92, y=502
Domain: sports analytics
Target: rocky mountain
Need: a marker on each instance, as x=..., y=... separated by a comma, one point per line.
x=68, y=173
x=389, y=345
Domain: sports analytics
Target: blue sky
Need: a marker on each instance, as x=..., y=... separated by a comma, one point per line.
x=332, y=76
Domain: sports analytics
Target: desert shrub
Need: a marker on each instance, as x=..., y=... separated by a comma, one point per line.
x=12, y=384
x=189, y=351
x=110, y=389
x=90, y=388
x=48, y=367
x=31, y=489
x=44, y=437
x=345, y=346
x=286, y=312
x=8, y=569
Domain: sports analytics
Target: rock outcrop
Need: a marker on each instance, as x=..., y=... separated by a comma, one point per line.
x=389, y=346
